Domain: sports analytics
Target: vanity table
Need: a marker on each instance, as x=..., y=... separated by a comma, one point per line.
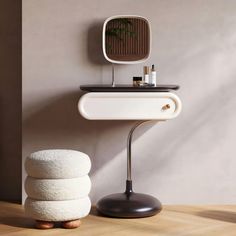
x=129, y=103
x=126, y=102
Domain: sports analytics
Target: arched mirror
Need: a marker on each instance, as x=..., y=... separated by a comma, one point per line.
x=126, y=39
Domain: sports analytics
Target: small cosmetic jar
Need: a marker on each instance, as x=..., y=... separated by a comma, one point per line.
x=137, y=80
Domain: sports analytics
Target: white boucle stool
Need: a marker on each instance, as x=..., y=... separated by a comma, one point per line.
x=57, y=186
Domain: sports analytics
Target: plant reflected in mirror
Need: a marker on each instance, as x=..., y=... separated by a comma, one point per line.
x=127, y=39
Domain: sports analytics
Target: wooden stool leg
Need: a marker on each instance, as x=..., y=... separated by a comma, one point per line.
x=71, y=224
x=44, y=224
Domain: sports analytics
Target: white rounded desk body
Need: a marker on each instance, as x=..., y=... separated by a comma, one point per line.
x=142, y=106
x=129, y=106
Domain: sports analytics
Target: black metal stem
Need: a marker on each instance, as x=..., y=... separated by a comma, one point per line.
x=129, y=142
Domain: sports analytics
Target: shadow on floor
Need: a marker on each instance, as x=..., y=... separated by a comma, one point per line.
x=94, y=211
x=225, y=216
x=17, y=221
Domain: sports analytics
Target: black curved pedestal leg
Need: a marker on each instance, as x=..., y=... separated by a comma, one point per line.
x=129, y=204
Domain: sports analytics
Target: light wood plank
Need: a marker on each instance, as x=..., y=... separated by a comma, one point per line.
x=172, y=221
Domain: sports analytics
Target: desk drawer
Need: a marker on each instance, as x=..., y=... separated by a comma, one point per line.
x=129, y=106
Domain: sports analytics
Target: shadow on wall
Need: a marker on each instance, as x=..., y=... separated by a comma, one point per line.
x=58, y=124
x=94, y=44
x=209, y=120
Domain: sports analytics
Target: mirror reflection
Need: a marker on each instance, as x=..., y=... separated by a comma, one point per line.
x=127, y=39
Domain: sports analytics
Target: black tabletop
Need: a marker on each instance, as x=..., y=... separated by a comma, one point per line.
x=128, y=88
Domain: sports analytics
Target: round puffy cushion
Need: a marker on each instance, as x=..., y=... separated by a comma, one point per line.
x=57, y=164
x=57, y=189
x=57, y=210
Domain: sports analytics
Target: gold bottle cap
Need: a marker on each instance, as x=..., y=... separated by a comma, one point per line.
x=146, y=70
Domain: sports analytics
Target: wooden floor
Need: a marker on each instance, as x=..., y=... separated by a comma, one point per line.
x=172, y=221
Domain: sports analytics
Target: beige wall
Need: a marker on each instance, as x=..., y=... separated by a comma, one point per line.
x=187, y=160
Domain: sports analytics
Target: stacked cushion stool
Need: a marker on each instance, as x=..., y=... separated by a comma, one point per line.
x=57, y=186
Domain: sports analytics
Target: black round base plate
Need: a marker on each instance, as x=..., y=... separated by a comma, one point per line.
x=129, y=205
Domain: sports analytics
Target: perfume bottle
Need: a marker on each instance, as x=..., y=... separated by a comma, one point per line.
x=153, y=79
x=146, y=74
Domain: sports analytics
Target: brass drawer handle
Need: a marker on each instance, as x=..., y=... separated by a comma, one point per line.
x=166, y=107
